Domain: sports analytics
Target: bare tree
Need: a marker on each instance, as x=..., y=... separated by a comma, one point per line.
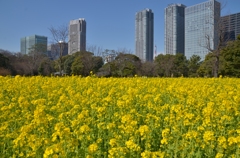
x=109, y=55
x=148, y=68
x=124, y=51
x=20, y=64
x=60, y=37
x=36, y=54
x=96, y=50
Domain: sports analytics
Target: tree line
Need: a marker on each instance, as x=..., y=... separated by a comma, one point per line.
x=124, y=65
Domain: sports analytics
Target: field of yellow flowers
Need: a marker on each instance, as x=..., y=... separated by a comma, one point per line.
x=119, y=117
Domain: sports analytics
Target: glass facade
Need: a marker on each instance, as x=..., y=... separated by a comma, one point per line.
x=174, y=29
x=201, y=28
x=144, y=24
x=29, y=41
x=77, y=36
x=231, y=24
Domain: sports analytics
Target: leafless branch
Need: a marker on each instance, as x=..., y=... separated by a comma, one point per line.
x=60, y=33
x=96, y=50
x=124, y=51
x=60, y=37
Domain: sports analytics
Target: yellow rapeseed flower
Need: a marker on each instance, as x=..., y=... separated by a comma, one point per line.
x=93, y=148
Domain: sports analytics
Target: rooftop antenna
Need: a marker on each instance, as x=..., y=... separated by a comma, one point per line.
x=155, y=52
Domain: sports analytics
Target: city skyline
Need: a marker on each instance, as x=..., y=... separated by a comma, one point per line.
x=108, y=26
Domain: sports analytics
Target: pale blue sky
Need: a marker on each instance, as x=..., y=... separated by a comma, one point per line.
x=110, y=23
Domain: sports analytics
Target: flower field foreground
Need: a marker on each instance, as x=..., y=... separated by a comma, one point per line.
x=119, y=117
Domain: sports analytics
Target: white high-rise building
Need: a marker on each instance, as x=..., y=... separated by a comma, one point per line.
x=144, y=24
x=77, y=36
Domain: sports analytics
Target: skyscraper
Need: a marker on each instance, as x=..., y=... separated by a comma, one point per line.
x=77, y=36
x=231, y=23
x=174, y=29
x=29, y=41
x=201, y=23
x=144, y=35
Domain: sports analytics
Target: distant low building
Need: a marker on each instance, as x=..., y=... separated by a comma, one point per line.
x=109, y=58
x=54, y=50
x=29, y=41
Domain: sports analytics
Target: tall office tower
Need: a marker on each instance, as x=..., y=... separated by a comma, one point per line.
x=144, y=35
x=231, y=24
x=174, y=29
x=77, y=36
x=201, y=23
x=29, y=41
